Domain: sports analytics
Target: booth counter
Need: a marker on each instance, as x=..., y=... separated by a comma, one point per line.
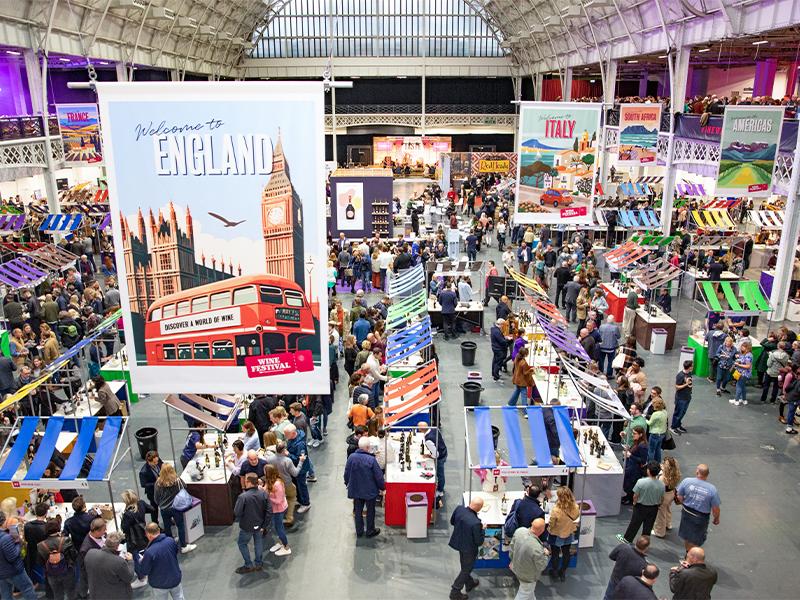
x=702, y=366
x=616, y=298
x=470, y=313
x=212, y=490
x=645, y=323
x=87, y=407
x=601, y=481
x=420, y=477
x=494, y=551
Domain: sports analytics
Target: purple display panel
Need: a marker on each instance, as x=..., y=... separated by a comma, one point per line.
x=564, y=340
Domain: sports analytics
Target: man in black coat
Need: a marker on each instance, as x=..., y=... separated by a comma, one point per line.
x=629, y=559
x=693, y=579
x=254, y=512
x=499, y=348
x=147, y=478
x=258, y=414
x=93, y=541
x=7, y=368
x=637, y=588
x=467, y=537
x=448, y=300
x=528, y=509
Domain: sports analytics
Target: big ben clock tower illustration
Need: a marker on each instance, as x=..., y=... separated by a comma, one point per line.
x=282, y=222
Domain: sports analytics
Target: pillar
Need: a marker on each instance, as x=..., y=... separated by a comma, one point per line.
x=791, y=78
x=765, y=77
x=610, y=83
x=643, y=84
x=122, y=72
x=34, y=73
x=788, y=245
x=679, y=78
x=566, y=85
x=538, y=81
x=174, y=75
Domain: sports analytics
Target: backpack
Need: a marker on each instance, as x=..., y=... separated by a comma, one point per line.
x=511, y=524
x=137, y=538
x=56, y=564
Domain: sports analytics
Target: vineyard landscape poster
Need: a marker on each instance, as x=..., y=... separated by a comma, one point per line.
x=79, y=125
x=749, y=144
x=638, y=133
x=557, y=158
x=214, y=191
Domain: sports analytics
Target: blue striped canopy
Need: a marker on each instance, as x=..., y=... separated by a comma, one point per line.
x=87, y=426
x=512, y=434
x=61, y=223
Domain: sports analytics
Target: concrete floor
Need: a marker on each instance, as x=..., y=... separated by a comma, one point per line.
x=753, y=463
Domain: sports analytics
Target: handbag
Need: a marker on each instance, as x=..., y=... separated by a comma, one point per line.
x=619, y=360
x=737, y=375
x=668, y=443
x=183, y=500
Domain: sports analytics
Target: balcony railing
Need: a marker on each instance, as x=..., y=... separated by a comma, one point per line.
x=416, y=109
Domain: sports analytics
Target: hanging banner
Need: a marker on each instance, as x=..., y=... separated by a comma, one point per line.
x=557, y=156
x=750, y=137
x=214, y=192
x=79, y=125
x=638, y=133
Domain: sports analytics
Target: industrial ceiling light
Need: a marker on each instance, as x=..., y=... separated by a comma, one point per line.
x=140, y=4
x=62, y=59
x=186, y=22
x=632, y=62
x=13, y=52
x=161, y=13
x=586, y=68
x=704, y=50
x=759, y=42
x=664, y=56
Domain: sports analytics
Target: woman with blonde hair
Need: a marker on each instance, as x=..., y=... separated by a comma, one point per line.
x=563, y=524
x=671, y=476
x=280, y=420
x=274, y=487
x=166, y=488
x=361, y=357
x=270, y=441
x=133, y=524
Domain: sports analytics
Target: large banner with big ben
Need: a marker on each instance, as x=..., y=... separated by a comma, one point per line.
x=214, y=191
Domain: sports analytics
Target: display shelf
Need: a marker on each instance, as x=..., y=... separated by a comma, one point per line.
x=381, y=218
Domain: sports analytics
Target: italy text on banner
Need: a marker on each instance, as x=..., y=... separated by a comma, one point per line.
x=750, y=136
x=214, y=191
x=80, y=133
x=557, y=155
x=638, y=133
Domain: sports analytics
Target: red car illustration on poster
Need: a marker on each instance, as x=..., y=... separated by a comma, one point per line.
x=555, y=197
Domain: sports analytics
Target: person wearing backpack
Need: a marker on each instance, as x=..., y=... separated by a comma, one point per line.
x=12, y=569
x=158, y=564
x=133, y=524
x=59, y=556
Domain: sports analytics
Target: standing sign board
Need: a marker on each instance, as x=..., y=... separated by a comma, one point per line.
x=214, y=191
x=750, y=138
x=558, y=152
x=80, y=133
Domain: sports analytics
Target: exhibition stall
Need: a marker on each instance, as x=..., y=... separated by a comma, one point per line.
x=361, y=203
x=408, y=471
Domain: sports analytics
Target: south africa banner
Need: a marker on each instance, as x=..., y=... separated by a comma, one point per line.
x=638, y=133
x=750, y=136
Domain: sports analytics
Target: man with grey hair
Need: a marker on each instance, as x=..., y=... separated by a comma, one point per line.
x=529, y=557
x=364, y=480
x=110, y=574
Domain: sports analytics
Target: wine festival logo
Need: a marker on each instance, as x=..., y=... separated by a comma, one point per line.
x=557, y=155
x=222, y=281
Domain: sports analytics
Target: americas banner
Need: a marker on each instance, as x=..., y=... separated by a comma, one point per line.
x=750, y=138
x=557, y=157
x=214, y=191
x=79, y=125
x=638, y=133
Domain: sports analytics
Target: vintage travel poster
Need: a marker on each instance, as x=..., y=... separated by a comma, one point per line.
x=638, y=133
x=80, y=133
x=750, y=138
x=350, y=206
x=215, y=191
x=557, y=155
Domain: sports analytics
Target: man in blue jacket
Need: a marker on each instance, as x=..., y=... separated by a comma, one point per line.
x=467, y=537
x=364, y=480
x=159, y=563
x=361, y=327
x=12, y=569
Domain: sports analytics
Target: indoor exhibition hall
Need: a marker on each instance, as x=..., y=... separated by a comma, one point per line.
x=399, y=299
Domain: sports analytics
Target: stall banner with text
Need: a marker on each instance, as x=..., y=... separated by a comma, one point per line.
x=79, y=125
x=638, y=133
x=749, y=143
x=214, y=191
x=557, y=155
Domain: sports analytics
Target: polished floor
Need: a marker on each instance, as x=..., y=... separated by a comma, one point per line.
x=754, y=549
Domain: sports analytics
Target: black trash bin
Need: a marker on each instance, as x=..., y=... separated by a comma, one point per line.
x=472, y=393
x=146, y=439
x=495, y=435
x=468, y=350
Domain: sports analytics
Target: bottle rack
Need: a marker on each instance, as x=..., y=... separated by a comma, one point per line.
x=381, y=218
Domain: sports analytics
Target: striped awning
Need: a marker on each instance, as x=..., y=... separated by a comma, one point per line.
x=626, y=254
x=406, y=283
x=654, y=274
x=11, y=223
x=508, y=420
x=453, y=268
x=690, y=189
x=408, y=341
x=653, y=240
x=722, y=203
x=734, y=297
x=21, y=246
x=633, y=189
x=58, y=223
x=52, y=257
x=767, y=219
x=639, y=219
x=407, y=309
x=712, y=219
x=14, y=469
x=411, y=395
x=103, y=223
x=21, y=272
x=38, y=209
x=217, y=412
x=596, y=389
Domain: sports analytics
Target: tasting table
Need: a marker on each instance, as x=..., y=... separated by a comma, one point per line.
x=616, y=298
x=702, y=363
x=602, y=481
x=89, y=407
x=471, y=313
x=691, y=276
x=117, y=369
x=399, y=483
x=64, y=510
x=644, y=324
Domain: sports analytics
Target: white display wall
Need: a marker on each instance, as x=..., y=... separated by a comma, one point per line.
x=28, y=187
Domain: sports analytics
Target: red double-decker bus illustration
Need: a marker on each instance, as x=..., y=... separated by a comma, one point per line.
x=222, y=323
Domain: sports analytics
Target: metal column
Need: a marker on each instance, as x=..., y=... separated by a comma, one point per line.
x=678, y=62
x=788, y=247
